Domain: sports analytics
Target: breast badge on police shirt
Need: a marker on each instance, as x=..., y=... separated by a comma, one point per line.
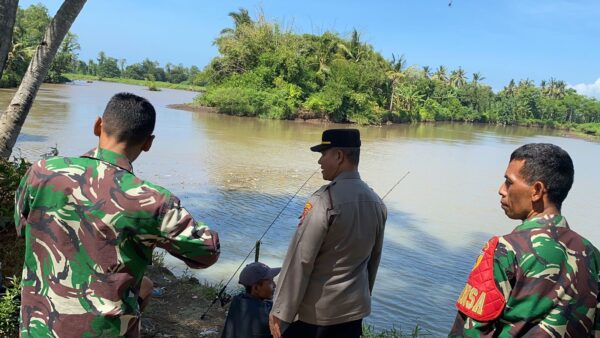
x=481, y=298
x=307, y=208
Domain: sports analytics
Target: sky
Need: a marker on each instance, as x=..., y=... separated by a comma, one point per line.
x=501, y=39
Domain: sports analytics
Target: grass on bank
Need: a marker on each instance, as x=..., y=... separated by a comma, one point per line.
x=369, y=331
x=9, y=309
x=152, y=85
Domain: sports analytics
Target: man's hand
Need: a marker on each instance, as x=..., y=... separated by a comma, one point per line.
x=274, y=326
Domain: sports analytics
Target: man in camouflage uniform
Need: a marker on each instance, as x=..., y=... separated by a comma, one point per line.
x=542, y=279
x=90, y=227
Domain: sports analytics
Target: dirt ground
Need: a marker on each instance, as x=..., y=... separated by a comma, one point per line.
x=177, y=312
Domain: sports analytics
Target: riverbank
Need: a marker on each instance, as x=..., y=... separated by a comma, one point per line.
x=143, y=83
x=176, y=313
x=196, y=108
x=587, y=131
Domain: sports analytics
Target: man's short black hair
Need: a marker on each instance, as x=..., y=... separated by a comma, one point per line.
x=549, y=164
x=353, y=155
x=129, y=118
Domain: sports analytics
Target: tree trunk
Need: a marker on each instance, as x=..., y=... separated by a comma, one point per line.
x=13, y=118
x=392, y=97
x=8, y=14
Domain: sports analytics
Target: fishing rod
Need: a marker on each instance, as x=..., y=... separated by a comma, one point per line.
x=395, y=185
x=219, y=296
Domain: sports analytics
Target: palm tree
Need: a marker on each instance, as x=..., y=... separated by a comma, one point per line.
x=477, y=77
x=543, y=87
x=122, y=63
x=398, y=64
x=408, y=98
x=556, y=89
x=458, y=78
x=326, y=50
x=526, y=83
x=241, y=17
x=395, y=75
x=8, y=15
x=355, y=48
x=427, y=71
x=510, y=89
x=440, y=74
x=13, y=118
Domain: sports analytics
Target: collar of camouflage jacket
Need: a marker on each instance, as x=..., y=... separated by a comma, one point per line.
x=110, y=157
x=543, y=221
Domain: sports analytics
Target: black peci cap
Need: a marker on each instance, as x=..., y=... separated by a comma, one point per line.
x=343, y=138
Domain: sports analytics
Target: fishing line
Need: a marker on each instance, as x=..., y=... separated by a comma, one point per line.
x=220, y=294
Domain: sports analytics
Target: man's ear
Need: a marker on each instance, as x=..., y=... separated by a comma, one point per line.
x=98, y=126
x=148, y=143
x=339, y=156
x=538, y=189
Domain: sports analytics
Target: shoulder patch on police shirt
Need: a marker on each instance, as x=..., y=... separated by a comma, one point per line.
x=307, y=207
x=481, y=299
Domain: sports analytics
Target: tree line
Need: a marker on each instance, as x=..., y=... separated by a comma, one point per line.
x=29, y=28
x=263, y=70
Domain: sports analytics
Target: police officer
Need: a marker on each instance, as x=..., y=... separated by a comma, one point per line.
x=542, y=279
x=328, y=273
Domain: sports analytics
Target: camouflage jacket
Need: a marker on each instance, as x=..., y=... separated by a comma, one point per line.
x=548, y=278
x=90, y=227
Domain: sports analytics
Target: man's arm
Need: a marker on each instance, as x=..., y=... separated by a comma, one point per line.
x=465, y=326
x=376, y=252
x=299, y=260
x=183, y=237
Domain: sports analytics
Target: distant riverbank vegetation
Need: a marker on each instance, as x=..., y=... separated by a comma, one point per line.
x=263, y=70
x=29, y=29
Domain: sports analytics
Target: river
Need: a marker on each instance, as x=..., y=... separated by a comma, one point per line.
x=236, y=174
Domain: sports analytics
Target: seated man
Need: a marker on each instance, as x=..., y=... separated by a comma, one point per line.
x=249, y=312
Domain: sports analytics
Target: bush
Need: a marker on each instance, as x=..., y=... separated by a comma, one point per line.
x=9, y=309
x=244, y=101
x=12, y=248
x=11, y=173
x=589, y=128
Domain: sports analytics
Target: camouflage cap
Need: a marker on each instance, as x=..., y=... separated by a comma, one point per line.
x=255, y=272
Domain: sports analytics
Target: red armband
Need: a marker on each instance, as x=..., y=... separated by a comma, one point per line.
x=481, y=299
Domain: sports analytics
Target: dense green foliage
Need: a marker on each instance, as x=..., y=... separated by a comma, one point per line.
x=266, y=72
x=11, y=173
x=12, y=248
x=9, y=310
x=147, y=83
x=147, y=70
x=28, y=32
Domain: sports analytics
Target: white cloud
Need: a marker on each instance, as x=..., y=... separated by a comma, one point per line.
x=589, y=89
